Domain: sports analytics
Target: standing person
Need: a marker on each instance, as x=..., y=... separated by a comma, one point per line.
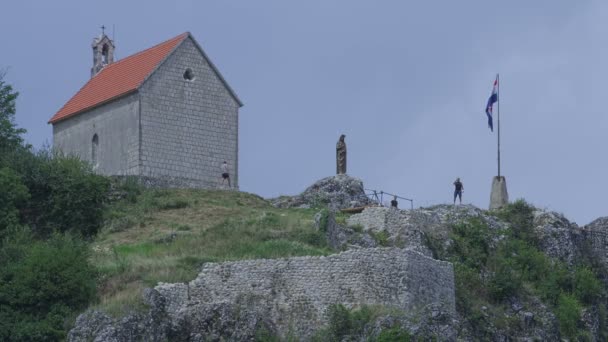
x=225, y=173
x=394, y=202
x=458, y=190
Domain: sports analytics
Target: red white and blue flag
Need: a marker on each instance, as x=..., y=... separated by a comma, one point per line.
x=493, y=99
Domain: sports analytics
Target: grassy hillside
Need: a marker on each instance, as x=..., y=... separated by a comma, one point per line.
x=166, y=235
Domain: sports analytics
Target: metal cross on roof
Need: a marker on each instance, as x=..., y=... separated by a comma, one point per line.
x=103, y=28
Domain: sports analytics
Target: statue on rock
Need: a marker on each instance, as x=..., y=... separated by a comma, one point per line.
x=341, y=156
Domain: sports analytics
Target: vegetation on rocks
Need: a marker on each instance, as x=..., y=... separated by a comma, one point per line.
x=358, y=324
x=493, y=268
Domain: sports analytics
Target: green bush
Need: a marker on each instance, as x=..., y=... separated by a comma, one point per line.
x=13, y=195
x=532, y=263
x=520, y=216
x=65, y=194
x=557, y=280
x=346, y=324
x=380, y=237
x=70, y=194
x=471, y=243
x=505, y=281
x=587, y=287
x=354, y=325
x=568, y=313
x=43, y=284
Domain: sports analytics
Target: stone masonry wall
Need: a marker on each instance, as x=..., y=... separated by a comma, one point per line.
x=189, y=127
x=597, y=234
x=295, y=292
x=117, y=127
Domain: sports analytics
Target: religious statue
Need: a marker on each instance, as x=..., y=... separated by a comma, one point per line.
x=341, y=156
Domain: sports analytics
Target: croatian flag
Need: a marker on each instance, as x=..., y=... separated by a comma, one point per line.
x=493, y=98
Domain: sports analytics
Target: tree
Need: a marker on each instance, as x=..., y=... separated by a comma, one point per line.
x=10, y=135
x=13, y=194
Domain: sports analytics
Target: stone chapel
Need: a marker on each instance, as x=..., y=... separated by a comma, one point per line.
x=164, y=114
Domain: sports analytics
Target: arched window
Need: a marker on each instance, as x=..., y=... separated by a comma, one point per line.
x=94, y=147
x=104, y=54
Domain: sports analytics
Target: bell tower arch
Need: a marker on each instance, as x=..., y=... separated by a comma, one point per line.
x=103, y=52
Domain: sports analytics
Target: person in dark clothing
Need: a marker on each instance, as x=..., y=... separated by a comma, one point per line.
x=394, y=202
x=458, y=190
x=225, y=173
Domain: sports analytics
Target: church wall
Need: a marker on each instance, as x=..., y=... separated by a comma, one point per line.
x=189, y=127
x=117, y=127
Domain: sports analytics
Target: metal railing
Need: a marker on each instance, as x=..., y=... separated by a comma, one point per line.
x=378, y=197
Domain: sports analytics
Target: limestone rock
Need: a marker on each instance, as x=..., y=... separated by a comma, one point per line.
x=97, y=326
x=337, y=192
x=409, y=228
x=558, y=238
x=340, y=237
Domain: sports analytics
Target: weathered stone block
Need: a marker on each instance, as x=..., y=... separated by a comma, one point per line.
x=499, y=196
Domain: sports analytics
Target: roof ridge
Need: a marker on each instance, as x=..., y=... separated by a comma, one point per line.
x=126, y=76
x=180, y=36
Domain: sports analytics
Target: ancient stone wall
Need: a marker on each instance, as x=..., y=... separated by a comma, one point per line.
x=597, y=235
x=188, y=126
x=295, y=293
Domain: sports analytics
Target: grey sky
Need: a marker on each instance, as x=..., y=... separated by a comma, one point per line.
x=406, y=81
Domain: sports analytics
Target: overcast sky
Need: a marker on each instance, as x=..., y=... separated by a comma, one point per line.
x=406, y=81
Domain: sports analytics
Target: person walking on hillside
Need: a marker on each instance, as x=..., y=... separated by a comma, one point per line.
x=458, y=190
x=225, y=173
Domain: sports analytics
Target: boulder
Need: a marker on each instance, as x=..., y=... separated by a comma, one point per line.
x=337, y=192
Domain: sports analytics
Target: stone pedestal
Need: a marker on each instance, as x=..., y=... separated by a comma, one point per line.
x=499, y=196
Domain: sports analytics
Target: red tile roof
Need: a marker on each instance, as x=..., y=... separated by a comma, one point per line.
x=117, y=79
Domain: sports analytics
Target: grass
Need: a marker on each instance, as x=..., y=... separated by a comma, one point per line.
x=167, y=235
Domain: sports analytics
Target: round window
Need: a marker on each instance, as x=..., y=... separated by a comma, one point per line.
x=188, y=74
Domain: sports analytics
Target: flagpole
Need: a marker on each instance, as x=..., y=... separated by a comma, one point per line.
x=498, y=114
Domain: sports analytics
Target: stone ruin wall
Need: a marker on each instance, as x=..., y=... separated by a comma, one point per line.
x=301, y=289
x=597, y=236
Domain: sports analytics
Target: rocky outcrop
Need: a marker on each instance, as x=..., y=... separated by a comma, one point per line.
x=408, y=228
x=337, y=192
x=340, y=237
x=234, y=300
x=563, y=240
x=97, y=326
x=557, y=237
x=437, y=219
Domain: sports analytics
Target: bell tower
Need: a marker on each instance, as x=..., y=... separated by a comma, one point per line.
x=103, y=52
